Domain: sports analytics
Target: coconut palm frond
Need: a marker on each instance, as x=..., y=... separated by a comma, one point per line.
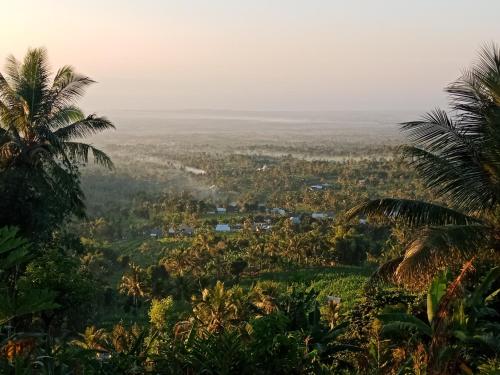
x=488, y=72
x=68, y=86
x=437, y=248
x=385, y=272
x=80, y=153
x=477, y=92
x=34, y=79
x=437, y=132
x=456, y=176
x=470, y=101
x=489, y=62
x=411, y=212
x=83, y=128
x=12, y=67
x=7, y=93
x=65, y=116
x=62, y=183
x=9, y=119
x=12, y=114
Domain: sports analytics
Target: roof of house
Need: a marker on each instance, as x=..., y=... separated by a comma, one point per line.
x=222, y=227
x=318, y=215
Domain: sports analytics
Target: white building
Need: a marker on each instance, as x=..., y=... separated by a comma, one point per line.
x=316, y=187
x=319, y=215
x=222, y=228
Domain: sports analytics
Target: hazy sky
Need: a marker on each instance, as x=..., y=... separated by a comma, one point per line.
x=256, y=54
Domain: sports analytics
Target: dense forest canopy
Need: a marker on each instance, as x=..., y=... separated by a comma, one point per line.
x=294, y=250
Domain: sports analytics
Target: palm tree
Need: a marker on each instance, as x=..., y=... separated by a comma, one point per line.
x=91, y=339
x=40, y=132
x=132, y=283
x=219, y=308
x=458, y=157
x=38, y=119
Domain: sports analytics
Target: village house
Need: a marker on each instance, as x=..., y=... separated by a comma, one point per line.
x=316, y=187
x=222, y=228
x=319, y=186
x=233, y=207
x=319, y=215
x=261, y=226
x=181, y=230
x=185, y=230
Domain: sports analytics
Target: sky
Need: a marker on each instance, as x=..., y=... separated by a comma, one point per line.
x=256, y=54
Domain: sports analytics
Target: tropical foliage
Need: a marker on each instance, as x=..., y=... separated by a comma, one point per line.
x=146, y=285
x=460, y=325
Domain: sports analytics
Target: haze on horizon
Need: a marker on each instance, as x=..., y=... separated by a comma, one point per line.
x=256, y=55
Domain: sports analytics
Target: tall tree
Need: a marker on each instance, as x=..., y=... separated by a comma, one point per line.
x=458, y=156
x=40, y=147
x=133, y=283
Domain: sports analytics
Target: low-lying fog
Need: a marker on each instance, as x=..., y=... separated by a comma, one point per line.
x=253, y=127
